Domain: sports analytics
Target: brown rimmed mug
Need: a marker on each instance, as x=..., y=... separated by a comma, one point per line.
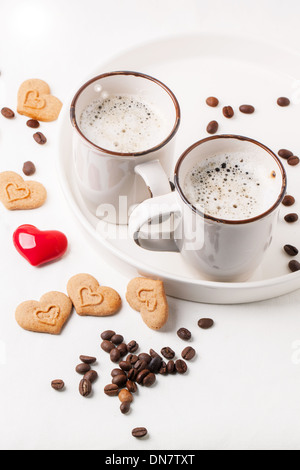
x=110, y=182
x=220, y=249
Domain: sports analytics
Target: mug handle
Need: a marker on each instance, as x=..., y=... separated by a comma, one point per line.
x=163, y=207
x=154, y=176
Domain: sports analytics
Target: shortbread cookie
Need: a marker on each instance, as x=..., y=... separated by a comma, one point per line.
x=36, y=102
x=46, y=316
x=17, y=194
x=89, y=298
x=148, y=297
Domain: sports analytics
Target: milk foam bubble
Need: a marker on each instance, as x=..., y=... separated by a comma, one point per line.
x=231, y=187
x=123, y=123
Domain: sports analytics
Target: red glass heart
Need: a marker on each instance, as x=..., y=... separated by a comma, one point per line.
x=39, y=247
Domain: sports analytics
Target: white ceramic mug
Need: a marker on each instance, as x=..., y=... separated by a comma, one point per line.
x=105, y=176
x=222, y=250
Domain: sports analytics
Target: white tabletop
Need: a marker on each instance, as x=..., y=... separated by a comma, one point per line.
x=242, y=388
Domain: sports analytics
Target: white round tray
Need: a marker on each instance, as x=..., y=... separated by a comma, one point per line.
x=237, y=71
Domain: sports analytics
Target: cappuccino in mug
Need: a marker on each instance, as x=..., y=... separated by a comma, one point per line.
x=123, y=123
x=233, y=186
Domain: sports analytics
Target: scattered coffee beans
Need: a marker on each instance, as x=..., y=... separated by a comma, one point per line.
x=212, y=127
x=107, y=335
x=184, y=334
x=112, y=390
x=58, y=384
x=293, y=161
x=33, y=123
x=132, y=346
x=149, y=380
x=115, y=355
x=288, y=200
x=87, y=359
x=155, y=364
x=125, y=395
x=290, y=250
x=117, y=339
x=284, y=153
x=29, y=168
x=205, y=323
x=107, y=346
x=283, y=101
x=7, y=113
x=131, y=386
x=123, y=349
x=168, y=353
x=39, y=138
x=91, y=375
x=291, y=218
x=125, y=407
x=85, y=388
x=141, y=376
x=228, y=112
x=212, y=101
x=119, y=380
x=139, y=432
x=125, y=365
x=82, y=368
x=294, y=266
x=247, y=109
x=145, y=357
x=188, y=353
x=180, y=366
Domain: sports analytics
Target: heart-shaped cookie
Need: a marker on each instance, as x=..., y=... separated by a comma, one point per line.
x=39, y=247
x=46, y=316
x=35, y=101
x=17, y=194
x=148, y=297
x=89, y=298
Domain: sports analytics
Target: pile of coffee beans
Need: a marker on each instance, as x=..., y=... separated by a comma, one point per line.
x=89, y=376
x=140, y=369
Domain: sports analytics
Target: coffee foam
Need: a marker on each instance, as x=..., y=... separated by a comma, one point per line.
x=123, y=123
x=232, y=186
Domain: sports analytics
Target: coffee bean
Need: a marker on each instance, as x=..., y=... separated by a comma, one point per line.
x=117, y=339
x=184, y=334
x=168, y=353
x=132, y=346
x=153, y=353
x=7, y=113
x=171, y=367
x=247, y=109
x=125, y=395
x=115, y=372
x=39, y=138
x=33, y=123
x=119, y=380
x=131, y=386
x=284, y=153
x=132, y=374
x=149, y=380
x=145, y=357
x=163, y=369
x=125, y=407
x=140, y=365
x=205, y=323
x=58, y=384
x=141, y=375
x=288, y=200
x=125, y=365
x=106, y=335
x=283, y=101
x=107, y=346
x=294, y=265
x=290, y=250
x=132, y=358
x=180, y=366
x=139, y=432
x=155, y=364
x=29, y=168
x=91, y=375
x=212, y=101
x=123, y=349
x=228, y=112
x=112, y=390
x=291, y=218
x=293, y=161
x=85, y=388
x=188, y=353
x=87, y=359
x=82, y=368
x=212, y=127
x=115, y=355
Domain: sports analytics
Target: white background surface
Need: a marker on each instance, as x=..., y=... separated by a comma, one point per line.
x=242, y=391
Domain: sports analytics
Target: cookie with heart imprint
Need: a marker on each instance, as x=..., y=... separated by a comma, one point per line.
x=17, y=194
x=35, y=101
x=91, y=299
x=46, y=316
x=148, y=297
